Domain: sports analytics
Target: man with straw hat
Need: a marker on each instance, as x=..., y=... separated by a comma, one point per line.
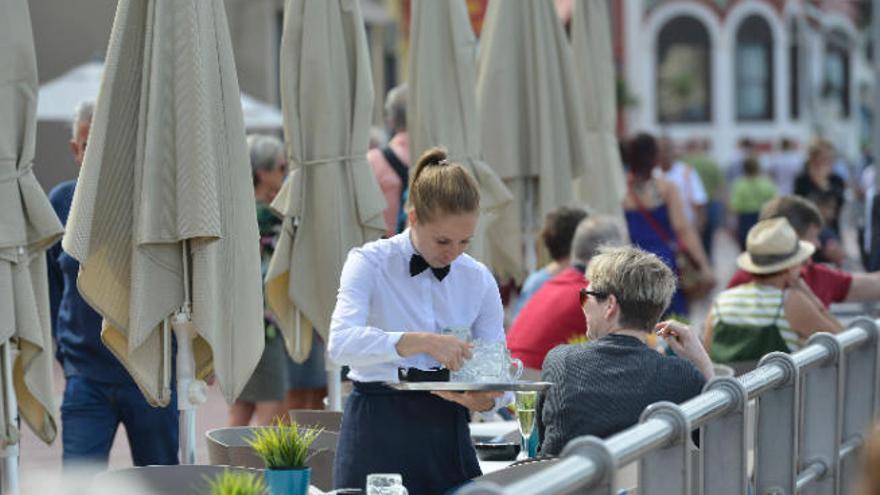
x=828, y=283
x=777, y=311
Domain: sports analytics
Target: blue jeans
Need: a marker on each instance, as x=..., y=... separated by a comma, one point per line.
x=91, y=412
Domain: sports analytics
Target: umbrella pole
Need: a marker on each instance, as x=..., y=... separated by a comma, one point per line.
x=190, y=391
x=10, y=412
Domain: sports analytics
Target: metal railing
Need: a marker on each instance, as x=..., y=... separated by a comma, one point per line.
x=813, y=410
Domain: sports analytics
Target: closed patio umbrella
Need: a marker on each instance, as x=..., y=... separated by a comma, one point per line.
x=603, y=188
x=28, y=226
x=331, y=201
x=531, y=121
x=441, y=103
x=163, y=220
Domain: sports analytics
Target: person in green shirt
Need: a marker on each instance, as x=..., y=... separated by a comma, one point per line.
x=750, y=192
x=713, y=181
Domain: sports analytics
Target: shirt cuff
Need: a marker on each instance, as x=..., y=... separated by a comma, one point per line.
x=392, y=340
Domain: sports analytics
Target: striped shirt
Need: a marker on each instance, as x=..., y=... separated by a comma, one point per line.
x=754, y=305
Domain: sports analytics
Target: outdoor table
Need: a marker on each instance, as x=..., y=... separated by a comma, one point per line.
x=491, y=429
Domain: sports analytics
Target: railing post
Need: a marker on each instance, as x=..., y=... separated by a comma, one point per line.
x=668, y=469
x=723, y=443
x=597, y=451
x=777, y=431
x=860, y=384
x=823, y=404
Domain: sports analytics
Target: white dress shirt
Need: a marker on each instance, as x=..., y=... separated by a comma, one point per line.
x=378, y=301
x=689, y=185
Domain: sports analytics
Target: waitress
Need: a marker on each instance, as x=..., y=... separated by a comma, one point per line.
x=395, y=297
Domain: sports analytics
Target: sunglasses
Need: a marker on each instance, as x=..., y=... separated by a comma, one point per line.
x=584, y=293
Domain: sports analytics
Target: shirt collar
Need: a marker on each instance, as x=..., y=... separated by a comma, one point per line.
x=404, y=243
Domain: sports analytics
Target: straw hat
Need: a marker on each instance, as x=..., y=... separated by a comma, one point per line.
x=773, y=246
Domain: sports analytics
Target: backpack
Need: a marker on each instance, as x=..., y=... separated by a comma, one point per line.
x=402, y=172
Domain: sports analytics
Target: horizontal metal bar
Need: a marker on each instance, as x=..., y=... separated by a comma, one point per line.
x=853, y=337
x=812, y=473
x=634, y=442
x=810, y=356
x=566, y=476
x=853, y=444
x=706, y=406
x=762, y=379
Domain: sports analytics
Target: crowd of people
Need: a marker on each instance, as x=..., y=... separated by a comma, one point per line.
x=787, y=221
x=606, y=320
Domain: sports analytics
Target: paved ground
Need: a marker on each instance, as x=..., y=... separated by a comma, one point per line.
x=39, y=461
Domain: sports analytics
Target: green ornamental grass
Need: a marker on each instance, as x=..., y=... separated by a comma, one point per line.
x=231, y=483
x=284, y=446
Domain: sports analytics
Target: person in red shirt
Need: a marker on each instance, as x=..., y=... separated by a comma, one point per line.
x=390, y=163
x=829, y=284
x=553, y=315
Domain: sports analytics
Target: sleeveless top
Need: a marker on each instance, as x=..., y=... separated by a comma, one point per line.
x=749, y=321
x=643, y=236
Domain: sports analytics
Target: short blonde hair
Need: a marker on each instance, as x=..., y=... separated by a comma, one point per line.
x=438, y=187
x=642, y=284
x=817, y=146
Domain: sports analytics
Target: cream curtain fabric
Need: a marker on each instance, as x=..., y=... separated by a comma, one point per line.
x=331, y=201
x=531, y=119
x=28, y=226
x=604, y=188
x=167, y=163
x=442, y=107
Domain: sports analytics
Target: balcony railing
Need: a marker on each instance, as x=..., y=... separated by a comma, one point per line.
x=813, y=409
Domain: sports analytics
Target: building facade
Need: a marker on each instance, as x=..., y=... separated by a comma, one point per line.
x=724, y=70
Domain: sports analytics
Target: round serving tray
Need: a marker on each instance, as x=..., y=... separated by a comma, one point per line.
x=471, y=387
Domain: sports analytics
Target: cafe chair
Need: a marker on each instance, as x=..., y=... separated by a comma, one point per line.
x=181, y=479
x=228, y=446
x=329, y=420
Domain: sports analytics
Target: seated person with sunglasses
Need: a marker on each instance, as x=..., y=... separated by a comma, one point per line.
x=602, y=386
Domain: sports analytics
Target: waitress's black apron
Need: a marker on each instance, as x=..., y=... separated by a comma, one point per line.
x=421, y=436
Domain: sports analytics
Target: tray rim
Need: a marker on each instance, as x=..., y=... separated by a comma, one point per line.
x=471, y=386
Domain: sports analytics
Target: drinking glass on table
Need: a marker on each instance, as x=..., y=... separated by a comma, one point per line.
x=525, y=417
x=385, y=484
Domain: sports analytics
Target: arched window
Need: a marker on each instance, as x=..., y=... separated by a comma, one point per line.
x=835, y=89
x=754, y=69
x=684, y=84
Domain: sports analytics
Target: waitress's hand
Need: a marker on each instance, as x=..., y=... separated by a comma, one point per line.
x=475, y=401
x=450, y=351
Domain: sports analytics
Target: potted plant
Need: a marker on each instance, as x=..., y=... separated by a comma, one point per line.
x=231, y=483
x=285, y=450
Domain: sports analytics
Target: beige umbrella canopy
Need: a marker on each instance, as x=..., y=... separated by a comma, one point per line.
x=28, y=226
x=531, y=119
x=603, y=187
x=331, y=202
x=441, y=105
x=166, y=172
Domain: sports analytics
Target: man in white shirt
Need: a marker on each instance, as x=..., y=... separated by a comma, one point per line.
x=786, y=165
x=688, y=182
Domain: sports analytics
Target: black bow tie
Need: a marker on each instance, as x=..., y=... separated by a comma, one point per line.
x=417, y=265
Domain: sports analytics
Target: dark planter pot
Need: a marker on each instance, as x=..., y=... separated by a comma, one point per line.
x=288, y=481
